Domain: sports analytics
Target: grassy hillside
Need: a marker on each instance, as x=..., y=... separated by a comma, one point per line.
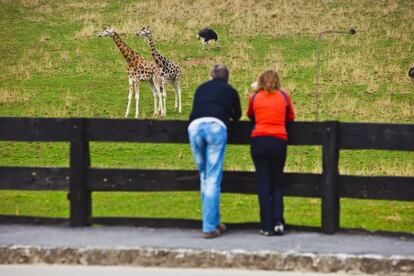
x=52, y=64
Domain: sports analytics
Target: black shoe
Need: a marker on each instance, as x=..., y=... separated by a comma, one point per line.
x=222, y=228
x=211, y=235
x=279, y=228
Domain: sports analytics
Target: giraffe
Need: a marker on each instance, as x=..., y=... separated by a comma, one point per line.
x=170, y=70
x=139, y=69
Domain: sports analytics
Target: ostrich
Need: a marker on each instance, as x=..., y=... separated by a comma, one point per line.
x=206, y=35
x=411, y=73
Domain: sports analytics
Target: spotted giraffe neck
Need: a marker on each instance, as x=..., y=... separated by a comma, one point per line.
x=157, y=56
x=127, y=52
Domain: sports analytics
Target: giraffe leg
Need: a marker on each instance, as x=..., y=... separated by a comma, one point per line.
x=154, y=95
x=159, y=82
x=164, y=98
x=161, y=103
x=175, y=99
x=130, y=83
x=177, y=87
x=158, y=86
x=155, y=113
x=136, y=86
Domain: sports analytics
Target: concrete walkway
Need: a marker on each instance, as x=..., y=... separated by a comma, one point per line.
x=295, y=251
x=64, y=270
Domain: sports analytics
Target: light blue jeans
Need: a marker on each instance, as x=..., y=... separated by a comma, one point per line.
x=208, y=143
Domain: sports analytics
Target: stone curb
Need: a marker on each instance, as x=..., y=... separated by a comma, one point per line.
x=188, y=258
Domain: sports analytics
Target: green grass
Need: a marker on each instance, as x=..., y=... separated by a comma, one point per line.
x=366, y=214
x=53, y=65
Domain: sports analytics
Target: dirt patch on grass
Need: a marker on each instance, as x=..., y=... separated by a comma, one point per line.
x=8, y=96
x=196, y=62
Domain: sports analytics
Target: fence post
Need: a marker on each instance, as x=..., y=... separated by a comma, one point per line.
x=79, y=196
x=329, y=184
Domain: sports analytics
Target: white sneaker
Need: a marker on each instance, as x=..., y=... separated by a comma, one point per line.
x=279, y=228
x=267, y=233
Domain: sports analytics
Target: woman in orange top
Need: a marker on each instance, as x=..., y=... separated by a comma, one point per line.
x=270, y=109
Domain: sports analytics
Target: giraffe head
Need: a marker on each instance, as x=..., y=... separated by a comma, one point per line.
x=107, y=32
x=145, y=32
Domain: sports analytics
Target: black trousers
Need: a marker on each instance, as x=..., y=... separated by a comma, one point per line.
x=269, y=157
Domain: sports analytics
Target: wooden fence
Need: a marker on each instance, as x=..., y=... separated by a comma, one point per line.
x=80, y=179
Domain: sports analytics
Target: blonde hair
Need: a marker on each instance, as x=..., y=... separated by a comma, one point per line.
x=268, y=81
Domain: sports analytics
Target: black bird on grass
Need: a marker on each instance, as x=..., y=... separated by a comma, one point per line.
x=411, y=73
x=206, y=35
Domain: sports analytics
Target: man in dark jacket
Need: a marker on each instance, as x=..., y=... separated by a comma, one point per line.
x=215, y=102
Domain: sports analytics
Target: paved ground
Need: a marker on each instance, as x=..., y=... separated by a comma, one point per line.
x=246, y=240
x=46, y=270
x=241, y=249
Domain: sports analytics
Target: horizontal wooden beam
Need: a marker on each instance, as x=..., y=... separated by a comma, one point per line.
x=34, y=129
x=306, y=185
x=57, y=179
x=174, y=131
x=306, y=133
x=376, y=136
x=377, y=187
x=130, y=130
x=34, y=178
x=297, y=184
x=352, y=135
x=7, y=219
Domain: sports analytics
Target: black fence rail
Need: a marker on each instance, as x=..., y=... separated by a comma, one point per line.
x=80, y=179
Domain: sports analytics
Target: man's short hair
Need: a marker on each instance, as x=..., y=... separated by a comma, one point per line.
x=220, y=71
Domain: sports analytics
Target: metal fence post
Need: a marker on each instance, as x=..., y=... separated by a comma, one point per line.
x=79, y=196
x=330, y=173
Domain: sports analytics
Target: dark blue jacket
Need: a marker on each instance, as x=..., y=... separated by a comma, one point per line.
x=216, y=98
